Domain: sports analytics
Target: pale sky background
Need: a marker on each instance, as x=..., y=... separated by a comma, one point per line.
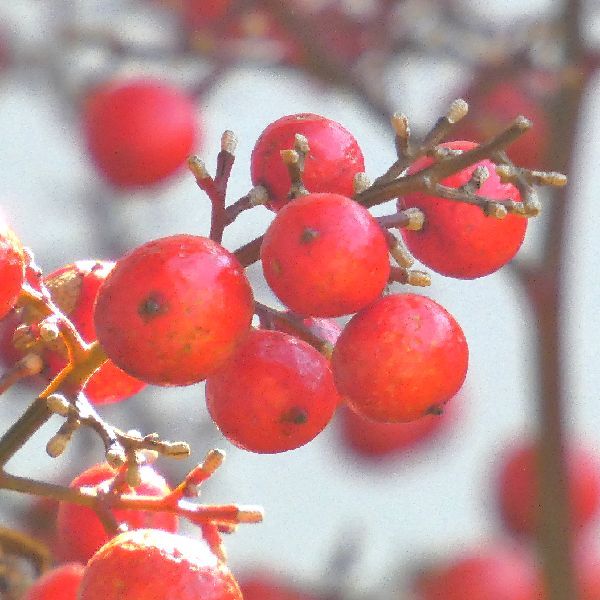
x=434, y=500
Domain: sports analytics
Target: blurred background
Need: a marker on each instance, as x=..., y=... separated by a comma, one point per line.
x=338, y=522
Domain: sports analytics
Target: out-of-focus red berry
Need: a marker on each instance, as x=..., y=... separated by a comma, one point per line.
x=458, y=239
x=330, y=166
x=155, y=565
x=139, y=132
x=200, y=14
x=173, y=310
x=74, y=289
x=263, y=586
x=61, y=583
x=325, y=255
x=518, y=488
x=400, y=358
x=275, y=393
x=12, y=268
x=373, y=439
x=79, y=530
x=491, y=574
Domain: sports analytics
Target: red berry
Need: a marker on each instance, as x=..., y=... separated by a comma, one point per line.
x=457, y=239
x=375, y=440
x=330, y=166
x=139, y=132
x=276, y=393
x=80, y=531
x=173, y=310
x=200, y=14
x=325, y=329
x=156, y=565
x=12, y=268
x=518, y=491
x=494, y=107
x=399, y=359
x=494, y=574
x=61, y=583
x=325, y=255
x=74, y=289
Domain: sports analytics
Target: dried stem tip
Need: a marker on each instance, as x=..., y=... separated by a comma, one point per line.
x=301, y=144
x=290, y=157
x=361, y=183
x=58, y=404
x=229, y=142
x=418, y=278
x=400, y=125
x=197, y=167
x=258, y=195
x=115, y=456
x=176, y=449
x=250, y=514
x=457, y=111
x=57, y=444
x=416, y=219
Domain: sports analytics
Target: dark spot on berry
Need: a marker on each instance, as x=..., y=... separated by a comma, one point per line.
x=435, y=409
x=153, y=305
x=308, y=235
x=295, y=415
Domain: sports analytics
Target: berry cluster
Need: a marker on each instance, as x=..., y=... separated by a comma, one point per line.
x=180, y=310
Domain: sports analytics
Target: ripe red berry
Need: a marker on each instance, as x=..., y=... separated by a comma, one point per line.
x=325, y=255
x=173, y=310
x=61, y=583
x=139, y=132
x=399, y=359
x=493, y=574
x=375, y=440
x=79, y=530
x=458, y=239
x=74, y=289
x=276, y=393
x=330, y=166
x=156, y=565
x=12, y=268
x=518, y=488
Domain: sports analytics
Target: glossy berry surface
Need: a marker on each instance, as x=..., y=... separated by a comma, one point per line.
x=518, y=488
x=458, y=239
x=493, y=574
x=325, y=255
x=375, y=440
x=276, y=393
x=74, y=289
x=12, y=268
x=399, y=359
x=333, y=160
x=156, y=565
x=80, y=531
x=326, y=330
x=60, y=583
x=173, y=310
x=139, y=132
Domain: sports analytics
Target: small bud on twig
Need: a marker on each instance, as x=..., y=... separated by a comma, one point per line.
x=197, y=167
x=457, y=111
x=229, y=142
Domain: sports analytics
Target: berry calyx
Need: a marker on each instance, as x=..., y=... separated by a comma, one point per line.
x=155, y=565
x=79, y=530
x=74, y=289
x=330, y=166
x=325, y=255
x=139, y=132
x=275, y=393
x=61, y=583
x=458, y=239
x=401, y=358
x=518, y=488
x=173, y=310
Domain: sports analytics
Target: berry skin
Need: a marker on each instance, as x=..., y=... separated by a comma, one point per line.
x=12, y=268
x=61, y=583
x=493, y=574
x=325, y=255
x=74, y=289
x=156, y=565
x=80, y=532
x=333, y=160
x=264, y=586
x=276, y=393
x=457, y=239
x=325, y=329
x=399, y=359
x=517, y=489
x=139, y=132
x=375, y=440
x=173, y=310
